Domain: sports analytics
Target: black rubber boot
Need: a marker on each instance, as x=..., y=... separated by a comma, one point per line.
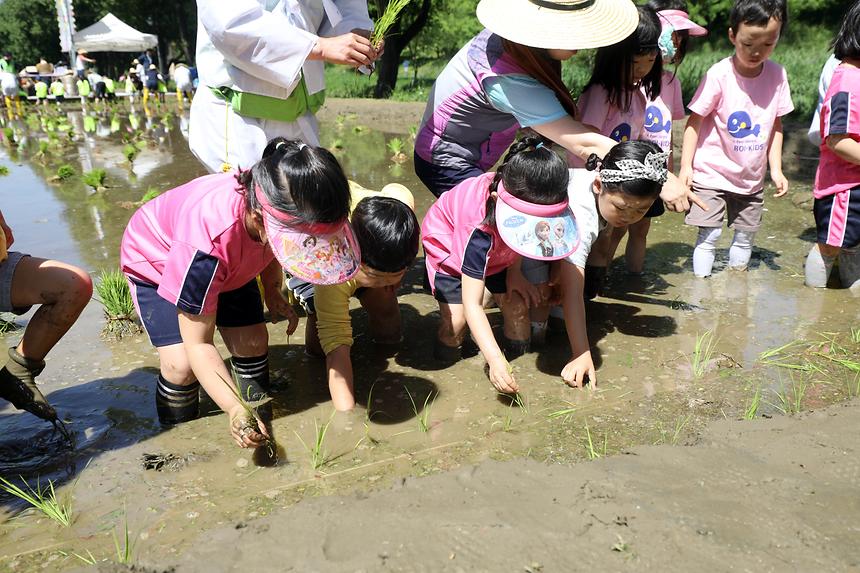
x=176, y=404
x=513, y=349
x=252, y=379
x=445, y=354
x=18, y=386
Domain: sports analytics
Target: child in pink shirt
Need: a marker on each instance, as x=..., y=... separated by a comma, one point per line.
x=626, y=75
x=735, y=129
x=478, y=229
x=192, y=256
x=837, y=181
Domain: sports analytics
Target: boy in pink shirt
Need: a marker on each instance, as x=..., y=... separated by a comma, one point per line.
x=735, y=125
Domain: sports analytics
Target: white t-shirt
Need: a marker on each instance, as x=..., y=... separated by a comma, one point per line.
x=584, y=207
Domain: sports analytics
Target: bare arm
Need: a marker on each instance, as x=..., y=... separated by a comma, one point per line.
x=581, y=364
x=476, y=318
x=845, y=147
x=576, y=137
x=339, y=365
x=197, y=336
x=774, y=159
x=272, y=278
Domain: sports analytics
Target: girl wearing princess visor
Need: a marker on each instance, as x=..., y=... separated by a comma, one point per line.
x=474, y=232
x=623, y=187
x=192, y=256
x=261, y=72
x=508, y=77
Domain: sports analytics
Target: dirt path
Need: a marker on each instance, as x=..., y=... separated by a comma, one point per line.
x=770, y=495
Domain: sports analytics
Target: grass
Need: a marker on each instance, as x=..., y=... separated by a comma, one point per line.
x=95, y=178
x=422, y=416
x=703, y=353
x=317, y=452
x=115, y=295
x=593, y=453
x=752, y=408
x=43, y=499
x=123, y=545
x=677, y=427
x=564, y=413
x=789, y=398
x=130, y=152
x=384, y=23
x=65, y=172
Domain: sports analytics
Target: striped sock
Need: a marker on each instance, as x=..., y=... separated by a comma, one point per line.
x=176, y=404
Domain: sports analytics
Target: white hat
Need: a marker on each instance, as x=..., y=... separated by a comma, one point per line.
x=560, y=24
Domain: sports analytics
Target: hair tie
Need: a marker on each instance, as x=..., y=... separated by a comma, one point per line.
x=280, y=145
x=653, y=169
x=302, y=145
x=539, y=145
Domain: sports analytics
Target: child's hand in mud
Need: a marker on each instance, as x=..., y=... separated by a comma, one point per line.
x=502, y=376
x=781, y=183
x=279, y=309
x=247, y=432
x=579, y=370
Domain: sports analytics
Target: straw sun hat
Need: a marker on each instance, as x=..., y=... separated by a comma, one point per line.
x=560, y=24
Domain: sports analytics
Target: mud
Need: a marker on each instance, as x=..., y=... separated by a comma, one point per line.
x=643, y=330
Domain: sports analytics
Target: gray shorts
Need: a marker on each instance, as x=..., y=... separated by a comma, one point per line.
x=743, y=212
x=7, y=271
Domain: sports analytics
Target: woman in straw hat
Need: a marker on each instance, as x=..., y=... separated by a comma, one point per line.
x=508, y=77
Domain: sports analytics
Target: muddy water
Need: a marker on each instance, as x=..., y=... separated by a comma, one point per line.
x=643, y=331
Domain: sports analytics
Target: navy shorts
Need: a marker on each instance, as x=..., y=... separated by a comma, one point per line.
x=837, y=219
x=240, y=307
x=450, y=289
x=439, y=179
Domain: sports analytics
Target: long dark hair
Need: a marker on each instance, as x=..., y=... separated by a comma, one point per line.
x=683, y=35
x=304, y=181
x=613, y=65
x=635, y=150
x=532, y=172
x=847, y=42
x=537, y=63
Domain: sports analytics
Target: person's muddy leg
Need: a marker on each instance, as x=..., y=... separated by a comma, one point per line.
x=819, y=263
x=517, y=326
x=849, y=268
x=383, y=314
x=452, y=329
x=634, y=254
x=249, y=351
x=62, y=291
x=614, y=239
x=177, y=393
x=312, y=338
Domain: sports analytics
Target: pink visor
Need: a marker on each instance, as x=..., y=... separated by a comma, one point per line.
x=680, y=20
x=319, y=253
x=542, y=232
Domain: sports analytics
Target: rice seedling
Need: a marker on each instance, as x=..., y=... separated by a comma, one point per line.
x=782, y=357
x=88, y=559
x=317, y=452
x=790, y=398
x=853, y=386
x=855, y=335
x=267, y=453
x=65, y=172
x=395, y=146
x=4, y=170
x=592, y=452
x=680, y=423
x=123, y=545
x=752, y=408
x=8, y=326
x=385, y=21
x=151, y=193
x=130, y=152
x=703, y=353
x=336, y=143
x=95, y=178
x=9, y=135
x=44, y=149
x=422, y=416
x=564, y=413
x=113, y=292
x=43, y=499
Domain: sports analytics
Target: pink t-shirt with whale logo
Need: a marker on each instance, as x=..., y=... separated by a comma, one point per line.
x=738, y=117
x=662, y=111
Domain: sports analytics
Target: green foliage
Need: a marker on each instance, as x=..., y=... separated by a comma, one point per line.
x=130, y=152
x=387, y=20
x=95, y=178
x=4, y=170
x=151, y=193
x=113, y=292
x=65, y=172
x=43, y=499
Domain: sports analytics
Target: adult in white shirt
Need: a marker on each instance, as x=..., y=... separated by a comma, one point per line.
x=260, y=64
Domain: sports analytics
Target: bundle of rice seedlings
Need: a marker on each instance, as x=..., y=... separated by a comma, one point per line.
x=114, y=294
x=95, y=178
x=267, y=454
x=385, y=22
x=43, y=499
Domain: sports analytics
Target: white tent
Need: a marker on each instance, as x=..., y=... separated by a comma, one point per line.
x=110, y=34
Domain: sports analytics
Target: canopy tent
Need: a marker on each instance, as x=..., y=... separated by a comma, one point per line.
x=110, y=34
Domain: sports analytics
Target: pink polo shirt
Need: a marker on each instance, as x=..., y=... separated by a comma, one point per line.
x=662, y=111
x=191, y=242
x=455, y=242
x=840, y=115
x=739, y=114
x=596, y=111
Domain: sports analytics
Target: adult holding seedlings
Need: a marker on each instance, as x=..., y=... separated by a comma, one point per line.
x=192, y=256
x=261, y=67
x=62, y=291
x=508, y=77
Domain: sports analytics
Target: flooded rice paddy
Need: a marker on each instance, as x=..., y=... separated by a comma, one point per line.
x=767, y=346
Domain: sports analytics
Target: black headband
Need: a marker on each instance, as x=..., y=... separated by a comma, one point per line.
x=565, y=7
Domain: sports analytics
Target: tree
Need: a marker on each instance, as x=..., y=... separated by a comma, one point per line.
x=395, y=42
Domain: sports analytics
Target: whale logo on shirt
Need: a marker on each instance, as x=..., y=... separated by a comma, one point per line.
x=654, y=120
x=621, y=132
x=740, y=125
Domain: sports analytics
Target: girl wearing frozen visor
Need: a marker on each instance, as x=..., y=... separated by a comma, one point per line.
x=192, y=256
x=475, y=231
